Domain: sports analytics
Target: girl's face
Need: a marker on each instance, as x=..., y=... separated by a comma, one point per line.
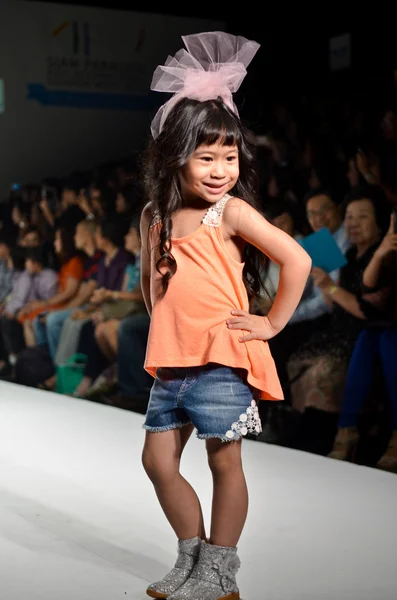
x=360, y=223
x=210, y=172
x=58, y=243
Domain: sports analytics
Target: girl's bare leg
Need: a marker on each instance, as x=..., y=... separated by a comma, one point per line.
x=230, y=498
x=161, y=460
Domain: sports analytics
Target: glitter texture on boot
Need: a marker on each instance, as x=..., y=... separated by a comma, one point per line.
x=213, y=577
x=188, y=552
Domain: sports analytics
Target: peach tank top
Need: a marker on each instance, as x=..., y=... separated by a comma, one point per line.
x=188, y=326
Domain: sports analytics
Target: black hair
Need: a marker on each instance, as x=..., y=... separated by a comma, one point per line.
x=279, y=207
x=378, y=199
x=68, y=249
x=108, y=197
x=133, y=196
x=135, y=222
x=322, y=191
x=37, y=255
x=73, y=184
x=114, y=230
x=8, y=237
x=18, y=258
x=190, y=124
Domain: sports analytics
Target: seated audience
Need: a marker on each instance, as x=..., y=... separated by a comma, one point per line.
x=34, y=283
x=321, y=211
x=312, y=314
x=111, y=270
x=118, y=305
x=69, y=279
x=124, y=297
x=48, y=330
x=6, y=274
x=378, y=342
x=317, y=370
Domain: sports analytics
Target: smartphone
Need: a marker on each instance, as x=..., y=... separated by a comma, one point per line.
x=395, y=218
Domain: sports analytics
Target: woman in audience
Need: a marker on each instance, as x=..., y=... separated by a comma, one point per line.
x=69, y=279
x=374, y=343
x=317, y=370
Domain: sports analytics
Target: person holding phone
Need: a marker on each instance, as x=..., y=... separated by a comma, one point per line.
x=374, y=343
x=317, y=370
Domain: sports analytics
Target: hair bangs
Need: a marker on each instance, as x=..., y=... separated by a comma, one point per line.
x=221, y=127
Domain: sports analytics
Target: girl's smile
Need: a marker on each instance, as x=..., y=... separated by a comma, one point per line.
x=210, y=172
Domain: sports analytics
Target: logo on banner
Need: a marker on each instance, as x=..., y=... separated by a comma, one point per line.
x=80, y=36
x=75, y=77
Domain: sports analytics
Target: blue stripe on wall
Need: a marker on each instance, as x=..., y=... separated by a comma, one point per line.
x=46, y=97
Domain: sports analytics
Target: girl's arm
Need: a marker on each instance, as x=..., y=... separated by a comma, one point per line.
x=146, y=219
x=244, y=221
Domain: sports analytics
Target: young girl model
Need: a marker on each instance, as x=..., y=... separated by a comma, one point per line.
x=203, y=242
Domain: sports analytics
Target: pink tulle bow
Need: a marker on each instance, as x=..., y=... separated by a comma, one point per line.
x=213, y=65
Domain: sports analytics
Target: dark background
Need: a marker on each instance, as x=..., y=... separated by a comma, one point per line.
x=295, y=43
x=292, y=65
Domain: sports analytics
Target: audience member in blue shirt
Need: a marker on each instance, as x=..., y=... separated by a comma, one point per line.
x=322, y=211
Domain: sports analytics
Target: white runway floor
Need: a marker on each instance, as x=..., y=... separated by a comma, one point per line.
x=79, y=519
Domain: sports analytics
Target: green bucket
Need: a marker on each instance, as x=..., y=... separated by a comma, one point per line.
x=70, y=374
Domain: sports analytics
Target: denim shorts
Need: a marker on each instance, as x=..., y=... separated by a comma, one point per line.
x=216, y=399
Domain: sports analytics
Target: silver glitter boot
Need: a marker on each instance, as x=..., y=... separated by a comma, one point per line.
x=213, y=577
x=188, y=553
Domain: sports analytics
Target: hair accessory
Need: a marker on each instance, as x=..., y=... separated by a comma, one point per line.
x=213, y=65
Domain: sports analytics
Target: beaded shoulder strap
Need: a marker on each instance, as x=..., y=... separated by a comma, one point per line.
x=213, y=216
